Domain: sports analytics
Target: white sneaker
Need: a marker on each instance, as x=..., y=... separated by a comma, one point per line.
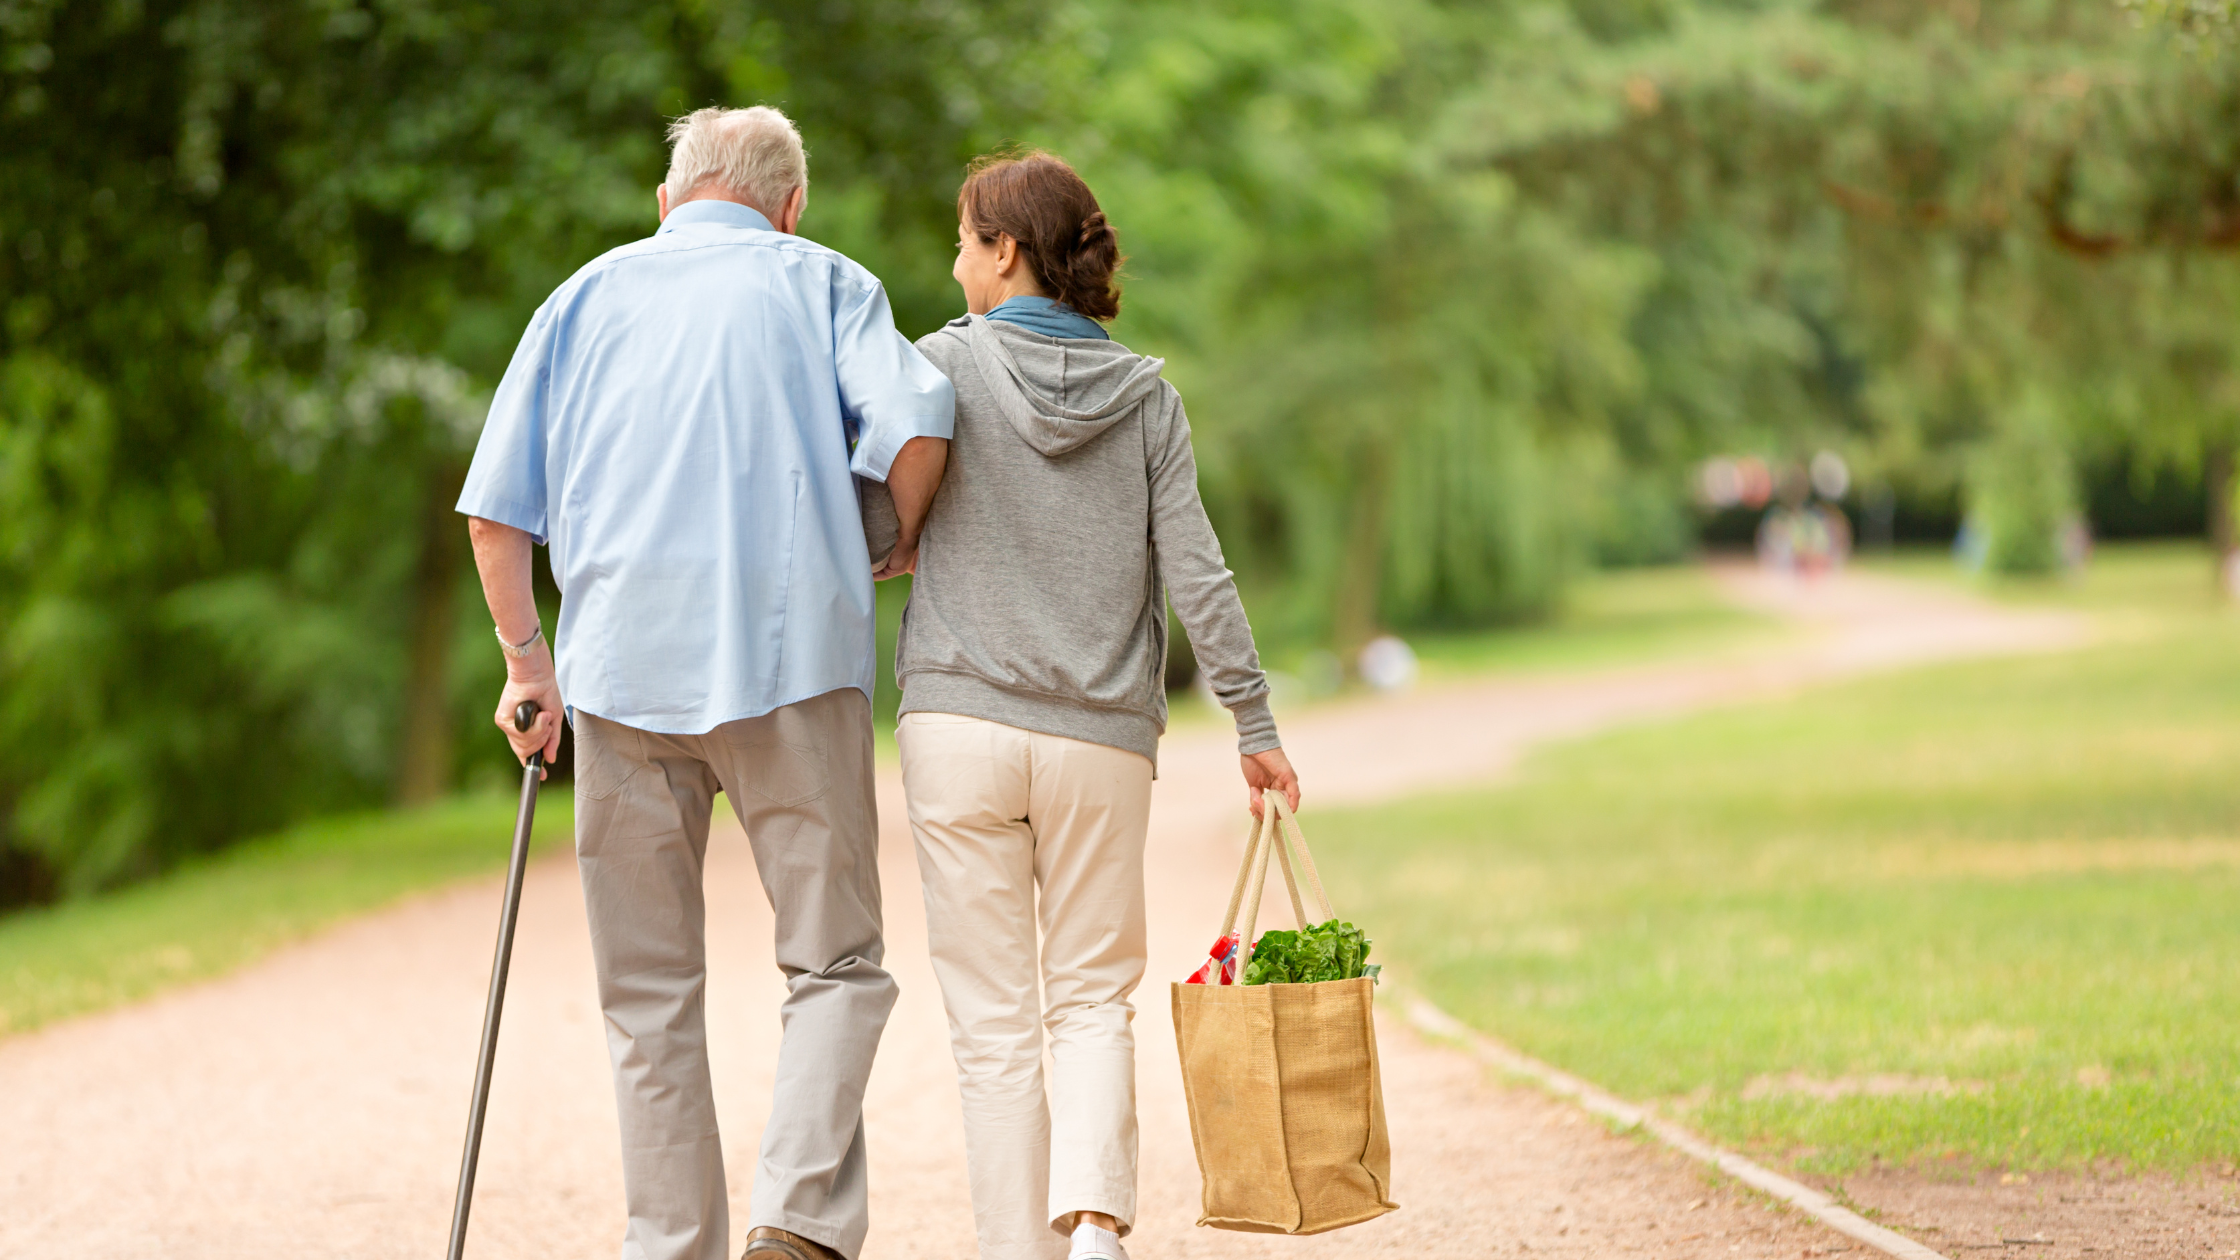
x=1092, y=1243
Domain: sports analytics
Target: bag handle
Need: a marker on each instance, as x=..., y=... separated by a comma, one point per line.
x=1290, y=881
x=1276, y=830
x=1281, y=812
x=1254, y=852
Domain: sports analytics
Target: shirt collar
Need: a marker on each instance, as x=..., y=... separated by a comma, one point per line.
x=721, y=213
x=1049, y=317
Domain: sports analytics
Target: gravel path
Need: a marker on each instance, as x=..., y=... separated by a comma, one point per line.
x=311, y=1105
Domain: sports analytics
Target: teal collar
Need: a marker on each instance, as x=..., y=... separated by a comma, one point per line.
x=1049, y=317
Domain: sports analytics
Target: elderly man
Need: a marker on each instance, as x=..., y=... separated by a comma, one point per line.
x=680, y=424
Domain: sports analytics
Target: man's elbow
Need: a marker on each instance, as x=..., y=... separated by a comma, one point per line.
x=492, y=537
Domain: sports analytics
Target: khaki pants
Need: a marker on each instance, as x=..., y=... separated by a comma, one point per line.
x=1000, y=813
x=800, y=781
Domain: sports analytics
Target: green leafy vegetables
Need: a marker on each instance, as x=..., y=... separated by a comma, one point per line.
x=1325, y=951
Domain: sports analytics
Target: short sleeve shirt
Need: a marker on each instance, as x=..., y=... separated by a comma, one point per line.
x=682, y=424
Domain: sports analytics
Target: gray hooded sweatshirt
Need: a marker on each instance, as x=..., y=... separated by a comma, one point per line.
x=1067, y=519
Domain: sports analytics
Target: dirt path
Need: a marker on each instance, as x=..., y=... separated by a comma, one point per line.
x=311, y=1105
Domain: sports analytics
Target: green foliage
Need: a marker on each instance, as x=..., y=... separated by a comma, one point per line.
x=1394, y=368
x=2024, y=492
x=2216, y=20
x=1876, y=226
x=1321, y=951
x=259, y=267
x=1971, y=912
x=1457, y=293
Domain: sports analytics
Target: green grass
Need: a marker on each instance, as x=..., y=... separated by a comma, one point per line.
x=213, y=916
x=1617, y=617
x=1624, y=616
x=2005, y=887
x=2131, y=580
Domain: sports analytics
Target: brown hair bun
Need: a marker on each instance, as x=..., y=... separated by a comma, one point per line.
x=1038, y=200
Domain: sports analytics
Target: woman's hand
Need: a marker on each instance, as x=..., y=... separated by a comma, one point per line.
x=1270, y=771
x=903, y=559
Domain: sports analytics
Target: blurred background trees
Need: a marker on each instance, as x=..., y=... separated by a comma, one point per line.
x=1459, y=293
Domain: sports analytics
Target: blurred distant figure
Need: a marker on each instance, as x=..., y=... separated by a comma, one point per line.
x=1388, y=664
x=1800, y=536
x=1803, y=532
x=1804, y=541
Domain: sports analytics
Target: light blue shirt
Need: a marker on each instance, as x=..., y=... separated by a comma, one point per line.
x=680, y=423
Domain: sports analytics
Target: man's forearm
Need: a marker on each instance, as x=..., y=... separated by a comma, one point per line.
x=505, y=557
x=912, y=480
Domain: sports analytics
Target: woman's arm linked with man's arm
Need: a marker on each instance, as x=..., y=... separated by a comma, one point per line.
x=907, y=498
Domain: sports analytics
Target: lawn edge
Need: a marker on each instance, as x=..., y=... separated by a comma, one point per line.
x=1427, y=1018
x=263, y=847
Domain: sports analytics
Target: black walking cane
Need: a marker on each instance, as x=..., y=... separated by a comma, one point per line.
x=524, y=716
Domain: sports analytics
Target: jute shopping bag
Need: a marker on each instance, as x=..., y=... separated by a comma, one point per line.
x=1285, y=1106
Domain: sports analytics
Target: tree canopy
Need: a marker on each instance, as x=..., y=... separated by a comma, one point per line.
x=1458, y=294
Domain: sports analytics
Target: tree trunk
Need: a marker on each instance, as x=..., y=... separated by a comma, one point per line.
x=2218, y=483
x=430, y=735
x=1361, y=571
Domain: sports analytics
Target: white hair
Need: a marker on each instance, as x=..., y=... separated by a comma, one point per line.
x=753, y=153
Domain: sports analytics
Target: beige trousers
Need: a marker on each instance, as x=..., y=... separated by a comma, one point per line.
x=1001, y=814
x=800, y=780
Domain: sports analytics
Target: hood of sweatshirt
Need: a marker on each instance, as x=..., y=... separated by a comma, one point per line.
x=1068, y=390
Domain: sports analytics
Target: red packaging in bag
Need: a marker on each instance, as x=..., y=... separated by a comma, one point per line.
x=1222, y=961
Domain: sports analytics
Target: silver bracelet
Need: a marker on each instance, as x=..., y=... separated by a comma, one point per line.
x=517, y=652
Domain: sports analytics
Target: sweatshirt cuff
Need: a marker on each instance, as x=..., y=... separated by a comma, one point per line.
x=1256, y=726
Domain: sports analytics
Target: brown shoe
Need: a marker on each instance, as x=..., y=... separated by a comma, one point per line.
x=768, y=1242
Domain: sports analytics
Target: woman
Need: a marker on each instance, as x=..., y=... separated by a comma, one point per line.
x=1032, y=664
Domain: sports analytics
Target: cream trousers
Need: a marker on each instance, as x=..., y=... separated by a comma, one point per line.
x=1001, y=814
